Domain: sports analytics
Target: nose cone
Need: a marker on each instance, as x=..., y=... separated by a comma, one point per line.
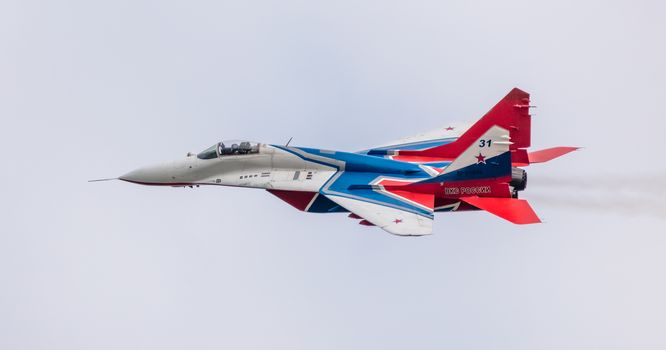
x=151, y=175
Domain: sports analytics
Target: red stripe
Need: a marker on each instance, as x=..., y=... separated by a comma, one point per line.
x=298, y=199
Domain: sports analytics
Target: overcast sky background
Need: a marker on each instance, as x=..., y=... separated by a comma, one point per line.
x=92, y=89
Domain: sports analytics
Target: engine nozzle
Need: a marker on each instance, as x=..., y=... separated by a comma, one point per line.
x=518, y=179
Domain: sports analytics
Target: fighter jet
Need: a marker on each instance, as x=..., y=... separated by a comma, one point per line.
x=397, y=186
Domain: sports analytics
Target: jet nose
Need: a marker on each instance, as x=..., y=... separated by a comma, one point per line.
x=150, y=175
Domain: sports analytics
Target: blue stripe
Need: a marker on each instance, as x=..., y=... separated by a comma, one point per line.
x=324, y=205
x=498, y=166
x=361, y=169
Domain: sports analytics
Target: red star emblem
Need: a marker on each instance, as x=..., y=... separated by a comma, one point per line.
x=397, y=221
x=449, y=128
x=480, y=158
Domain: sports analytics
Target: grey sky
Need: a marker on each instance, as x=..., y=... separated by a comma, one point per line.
x=92, y=89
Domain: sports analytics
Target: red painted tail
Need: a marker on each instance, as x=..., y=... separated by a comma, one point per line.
x=511, y=113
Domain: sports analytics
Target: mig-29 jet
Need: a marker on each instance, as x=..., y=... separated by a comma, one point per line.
x=397, y=187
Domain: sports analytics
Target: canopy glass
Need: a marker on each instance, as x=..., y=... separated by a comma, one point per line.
x=229, y=148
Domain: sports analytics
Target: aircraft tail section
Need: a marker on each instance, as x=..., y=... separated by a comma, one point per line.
x=487, y=157
x=481, y=176
x=510, y=113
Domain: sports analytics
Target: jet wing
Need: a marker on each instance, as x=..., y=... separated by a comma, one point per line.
x=393, y=220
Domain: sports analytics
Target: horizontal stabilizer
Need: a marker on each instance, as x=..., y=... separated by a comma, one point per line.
x=517, y=211
x=548, y=154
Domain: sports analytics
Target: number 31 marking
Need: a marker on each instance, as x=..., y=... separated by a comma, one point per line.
x=485, y=143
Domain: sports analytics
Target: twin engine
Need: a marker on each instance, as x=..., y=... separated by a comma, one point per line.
x=518, y=180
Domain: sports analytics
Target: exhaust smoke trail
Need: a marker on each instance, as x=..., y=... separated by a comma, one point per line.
x=616, y=194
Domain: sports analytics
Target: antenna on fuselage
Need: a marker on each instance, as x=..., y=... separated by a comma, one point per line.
x=287, y=144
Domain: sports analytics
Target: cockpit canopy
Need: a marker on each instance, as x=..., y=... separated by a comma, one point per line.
x=229, y=148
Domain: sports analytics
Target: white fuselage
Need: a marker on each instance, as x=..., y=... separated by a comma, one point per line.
x=270, y=168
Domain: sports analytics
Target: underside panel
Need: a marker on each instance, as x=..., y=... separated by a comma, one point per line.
x=297, y=199
x=311, y=202
x=321, y=204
